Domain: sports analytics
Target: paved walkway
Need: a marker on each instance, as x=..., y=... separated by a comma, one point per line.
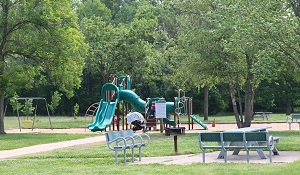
x=48, y=147
x=284, y=157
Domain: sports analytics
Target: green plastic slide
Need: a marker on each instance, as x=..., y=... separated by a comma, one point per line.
x=199, y=122
x=104, y=116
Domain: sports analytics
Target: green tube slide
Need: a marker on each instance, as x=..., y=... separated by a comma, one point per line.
x=139, y=104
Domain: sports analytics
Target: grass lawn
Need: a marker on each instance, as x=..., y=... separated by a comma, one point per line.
x=43, y=122
x=96, y=158
x=20, y=140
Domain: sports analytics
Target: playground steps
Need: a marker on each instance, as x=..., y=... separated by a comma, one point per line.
x=151, y=122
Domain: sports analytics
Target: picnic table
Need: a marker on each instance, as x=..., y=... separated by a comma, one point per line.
x=262, y=115
x=248, y=129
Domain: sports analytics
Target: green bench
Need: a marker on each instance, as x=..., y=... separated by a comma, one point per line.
x=241, y=140
x=123, y=140
x=209, y=140
x=293, y=119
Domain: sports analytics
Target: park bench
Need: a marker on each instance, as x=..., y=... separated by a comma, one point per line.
x=209, y=140
x=237, y=141
x=262, y=115
x=293, y=119
x=126, y=139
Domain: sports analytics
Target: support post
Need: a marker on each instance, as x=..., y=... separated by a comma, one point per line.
x=175, y=144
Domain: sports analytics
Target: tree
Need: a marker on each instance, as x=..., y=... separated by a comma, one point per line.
x=39, y=39
x=286, y=33
x=228, y=39
x=56, y=97
x=122, y=36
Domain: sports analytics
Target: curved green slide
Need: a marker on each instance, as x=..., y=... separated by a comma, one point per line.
x=106, y=110
x=104, y=116
x=139, y=104
x=198, y=121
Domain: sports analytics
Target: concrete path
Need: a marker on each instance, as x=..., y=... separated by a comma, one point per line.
x=284, y=157
x=48, y=147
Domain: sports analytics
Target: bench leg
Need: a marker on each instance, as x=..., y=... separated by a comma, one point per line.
x=132, y=155
x=275, y=151
x=248, y=155
x=116, y=156
x=124, y=155
x=140, y=153
x=221, y=155
x=236, y=151
x=261, y=153
x=203, y=156
x=225, y=156
x=270, y=155
x=290, y=125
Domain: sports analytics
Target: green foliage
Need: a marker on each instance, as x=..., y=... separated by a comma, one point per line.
x=40, y=45
x=76, y=110
x=163, y=45
x=15, y=104
x=56, y=97
x=28, y=108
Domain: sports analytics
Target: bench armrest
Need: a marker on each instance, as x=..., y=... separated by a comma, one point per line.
x=142, y=139
x=130, y=141
x=271, y=142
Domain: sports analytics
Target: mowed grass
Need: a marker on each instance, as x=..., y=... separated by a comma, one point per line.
x=20, y=140
x=96, y=158
x=57, y=122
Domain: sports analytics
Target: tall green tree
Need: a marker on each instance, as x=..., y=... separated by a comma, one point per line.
x=39, y=39
x=286, y=32
x=228, y=39
x=123, y=38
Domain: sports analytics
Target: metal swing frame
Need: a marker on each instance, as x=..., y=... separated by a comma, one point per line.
x=29, y=98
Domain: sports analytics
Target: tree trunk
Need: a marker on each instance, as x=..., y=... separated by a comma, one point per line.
x=288, y=107
x=2, y=114
x=2, y=87
x=248, y=101
x=233, y=100
x=240, y=104
x=206, y=89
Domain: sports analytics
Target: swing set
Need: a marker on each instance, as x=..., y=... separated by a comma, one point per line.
x=26, y=102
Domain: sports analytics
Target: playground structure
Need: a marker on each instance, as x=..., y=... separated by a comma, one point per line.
x=117, y=100
x=35, y=109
